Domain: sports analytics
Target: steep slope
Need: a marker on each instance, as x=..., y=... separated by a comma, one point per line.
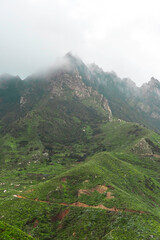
x=126, y=100
x=123, y=179
x=9, y=232
x=121, y=93
x=10, y=91
x=54, y=111
x=150, y=93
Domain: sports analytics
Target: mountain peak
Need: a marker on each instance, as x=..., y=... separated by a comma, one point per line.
x=68, y=54
x=6, y=76
x=154, y=82
x=73, y=58
x=95, y=68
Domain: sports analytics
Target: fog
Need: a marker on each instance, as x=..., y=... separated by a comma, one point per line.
x=118, y=35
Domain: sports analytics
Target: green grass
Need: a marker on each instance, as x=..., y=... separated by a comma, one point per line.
x=103, y=156
x=8, y=232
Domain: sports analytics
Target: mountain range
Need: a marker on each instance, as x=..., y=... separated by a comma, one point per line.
x=80, y=154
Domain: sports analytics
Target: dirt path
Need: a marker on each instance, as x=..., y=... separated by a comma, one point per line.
x=114, y=209
x=79, y=204
x=36, y=199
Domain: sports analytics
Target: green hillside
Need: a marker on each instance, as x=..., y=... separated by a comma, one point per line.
x=70, y=167
x=9, y=232
x=119, y=184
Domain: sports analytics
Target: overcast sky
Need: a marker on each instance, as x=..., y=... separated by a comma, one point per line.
x=118, y=35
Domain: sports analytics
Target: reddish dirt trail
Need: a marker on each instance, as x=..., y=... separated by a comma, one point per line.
x=19, y=196
x=114, y=209
x=79, y=204
x=36, y=199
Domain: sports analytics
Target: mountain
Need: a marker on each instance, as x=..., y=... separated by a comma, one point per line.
x=79, y=157
x=126, y=100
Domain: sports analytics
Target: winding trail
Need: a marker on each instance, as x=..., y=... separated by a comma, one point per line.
x=79, y=204
x=100, y=206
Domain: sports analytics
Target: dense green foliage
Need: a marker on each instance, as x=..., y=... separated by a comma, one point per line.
x=8, y=232
x=133, y=180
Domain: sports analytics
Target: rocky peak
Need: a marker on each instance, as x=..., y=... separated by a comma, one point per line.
x=151, y=89
x=68, y=80
x=152, y=84
x=7, y=79
x=130, y=83
x=73, y=60
x=5, y=76
x=94, y=68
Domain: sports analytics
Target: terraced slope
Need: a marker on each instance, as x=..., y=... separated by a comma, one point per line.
x=119, y=185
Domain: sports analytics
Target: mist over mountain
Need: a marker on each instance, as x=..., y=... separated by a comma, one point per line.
x=126, y=100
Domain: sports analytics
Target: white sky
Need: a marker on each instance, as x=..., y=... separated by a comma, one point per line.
x=118, y=35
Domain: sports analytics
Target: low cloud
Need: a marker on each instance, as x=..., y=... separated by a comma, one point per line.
x=118, y=35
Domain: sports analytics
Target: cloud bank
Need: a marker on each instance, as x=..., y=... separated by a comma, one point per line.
x=118, y=35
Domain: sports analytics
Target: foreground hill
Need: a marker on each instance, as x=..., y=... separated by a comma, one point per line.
x=119, y=185
x=9, y=232
x=72, y=169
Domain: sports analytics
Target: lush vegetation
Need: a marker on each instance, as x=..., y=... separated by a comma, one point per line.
x=131, y=177
x=9, y=232
x=68, y=170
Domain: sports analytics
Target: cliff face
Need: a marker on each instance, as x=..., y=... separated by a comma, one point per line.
x=58, y=103
x=69, y=80
x=150, y=98
x=126, y=100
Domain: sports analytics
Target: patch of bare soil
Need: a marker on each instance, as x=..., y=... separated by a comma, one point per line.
x=64, y=179
x=83, y=191
x=86, y=181
x=29, y=191
x=109, y=195
x=99, y=188
x=60, y=216
x=35, y=223
x=156, y=155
